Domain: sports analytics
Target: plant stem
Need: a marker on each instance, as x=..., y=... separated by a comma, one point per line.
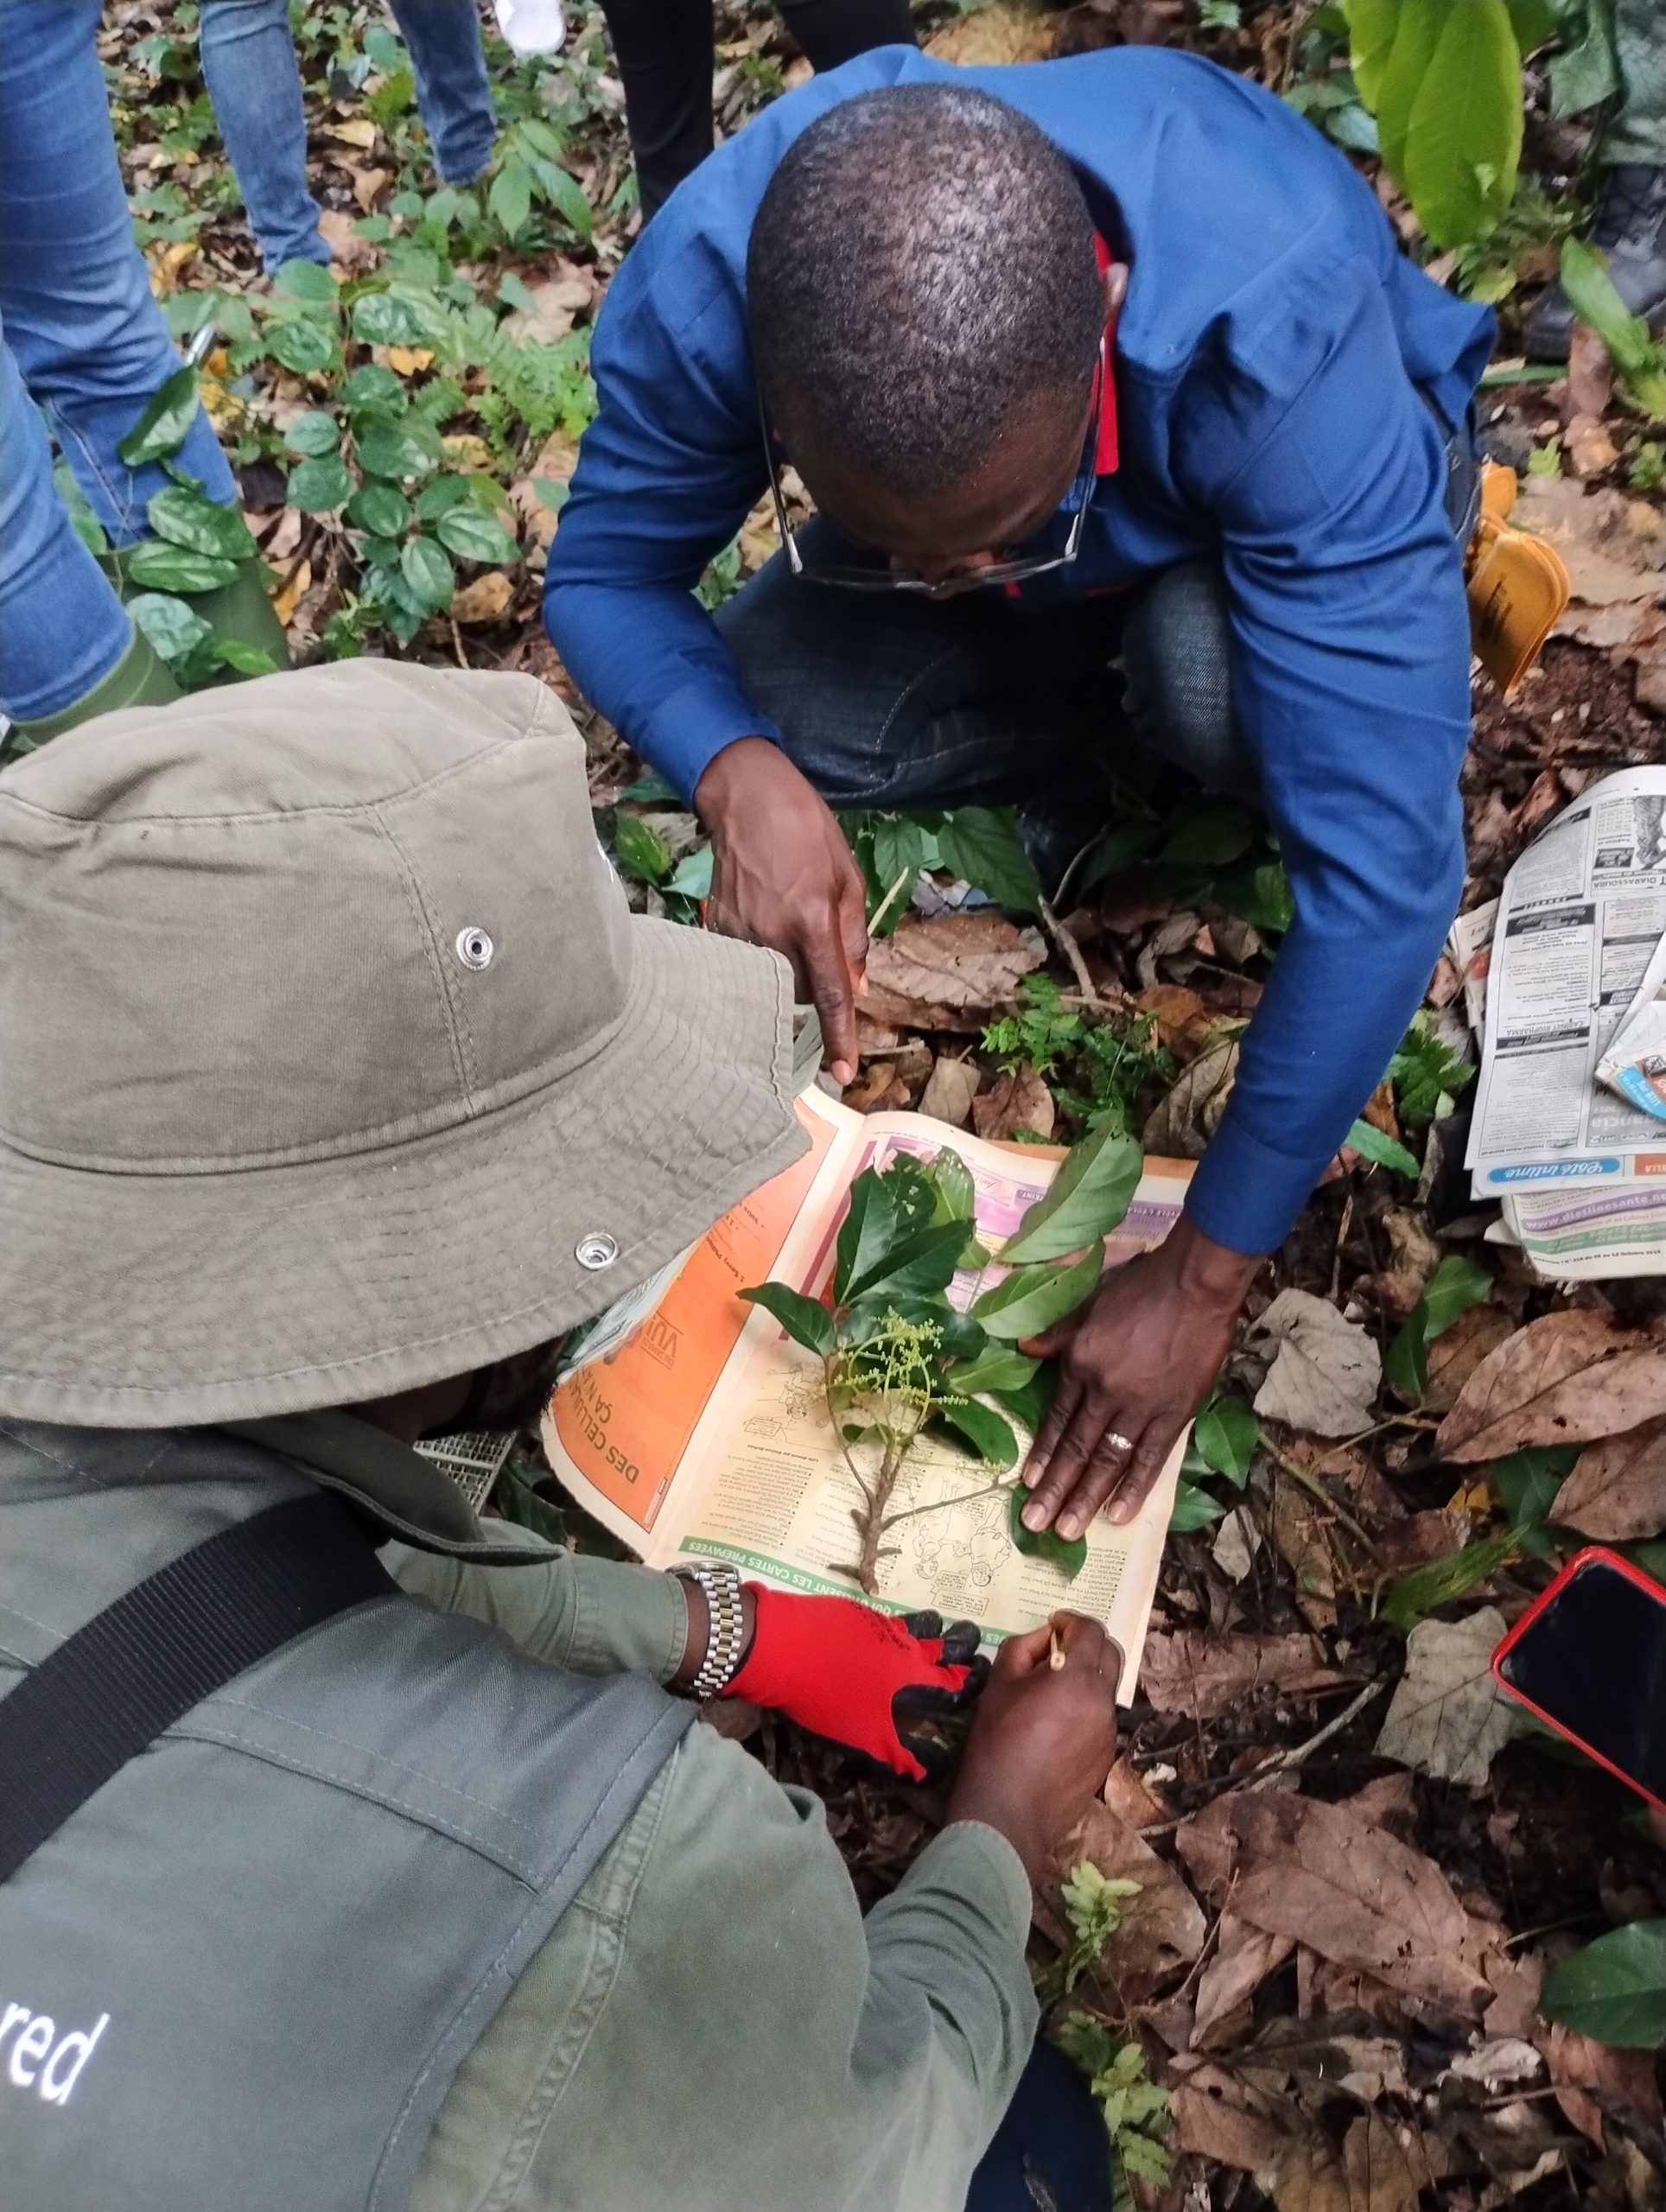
x=936, y=1505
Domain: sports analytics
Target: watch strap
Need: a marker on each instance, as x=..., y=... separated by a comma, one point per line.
x=725, y=1627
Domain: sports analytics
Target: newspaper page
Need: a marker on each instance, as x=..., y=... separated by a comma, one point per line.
x=1582, y=913
x=708, y=1433
x=1635, y=1062
x=1590, y=1231
x=1469, y=943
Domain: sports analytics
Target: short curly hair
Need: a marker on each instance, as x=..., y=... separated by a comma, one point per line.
x=921, y=270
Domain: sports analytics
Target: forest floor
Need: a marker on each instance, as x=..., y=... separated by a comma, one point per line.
x=1331, y=1964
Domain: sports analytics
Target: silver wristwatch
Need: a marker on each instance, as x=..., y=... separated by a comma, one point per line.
x=726, y=1628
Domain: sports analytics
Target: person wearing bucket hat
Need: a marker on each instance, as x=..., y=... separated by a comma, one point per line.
x=352, y=1853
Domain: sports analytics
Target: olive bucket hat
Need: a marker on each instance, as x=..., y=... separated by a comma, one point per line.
x=332, y=1059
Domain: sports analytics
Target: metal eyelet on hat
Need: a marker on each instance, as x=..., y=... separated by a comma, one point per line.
x=598, y=1250
x=474, y=947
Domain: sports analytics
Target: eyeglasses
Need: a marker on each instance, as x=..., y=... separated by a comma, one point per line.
x=851, y=577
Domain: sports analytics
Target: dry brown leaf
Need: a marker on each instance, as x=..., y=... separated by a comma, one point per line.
x=876, y=1090
x=1578, y=2066
x=1590, y=376
x=366, y=184
x=484, y=600
x=1616, y=1491
x=293, y=590
x=1183, y=1022
x=558, y=301
x=1242, y=1958
x=1209, y=2117
x=949, y=1089
x=1164, y=1927
x=1188, y=1671
x=1609, y=554
x=1590, y=450
x=1014, y=1104
x=357, y=130
x=1183, y=1123
x=1457, y=1352
x=1447, y=1717
x=1301, y=1533
x=1336, y=1881
x=1385, y=2165
x=948, y=971
x=352, y=255
x=1567, y=1378
x=1006, y=30
x=1326, y=1370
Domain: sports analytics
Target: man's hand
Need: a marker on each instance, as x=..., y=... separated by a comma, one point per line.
x=783, y=875
x=1136, y=1362
x=1043, y=1740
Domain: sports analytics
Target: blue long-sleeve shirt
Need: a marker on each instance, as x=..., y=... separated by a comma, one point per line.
x=1269, y=359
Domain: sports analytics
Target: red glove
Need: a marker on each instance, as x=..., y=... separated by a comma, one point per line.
x=858, y=1677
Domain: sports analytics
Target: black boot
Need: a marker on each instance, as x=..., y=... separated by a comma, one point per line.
x=1631, y=229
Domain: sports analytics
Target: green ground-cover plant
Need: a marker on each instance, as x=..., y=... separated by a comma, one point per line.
x=897, y=1356
x=1136, y=2109
x=1098, y=1066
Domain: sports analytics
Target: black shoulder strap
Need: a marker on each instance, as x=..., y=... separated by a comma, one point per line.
x=110, y=1689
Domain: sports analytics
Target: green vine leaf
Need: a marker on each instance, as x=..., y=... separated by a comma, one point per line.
x=166, y=423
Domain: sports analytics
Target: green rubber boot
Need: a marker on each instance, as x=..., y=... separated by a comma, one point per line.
x=139, y=678
x=243, y=612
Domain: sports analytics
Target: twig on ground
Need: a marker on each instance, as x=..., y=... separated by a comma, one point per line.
x=1298, y=1754
x=885, y=904
x=1072, y=952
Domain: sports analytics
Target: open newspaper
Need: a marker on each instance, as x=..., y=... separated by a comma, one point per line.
x=702, y=1428
x=1580, y=1169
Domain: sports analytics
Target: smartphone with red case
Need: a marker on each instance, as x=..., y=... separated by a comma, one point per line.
x=1589, y=1659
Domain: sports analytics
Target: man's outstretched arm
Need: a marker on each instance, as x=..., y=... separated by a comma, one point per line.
x=1350, y=681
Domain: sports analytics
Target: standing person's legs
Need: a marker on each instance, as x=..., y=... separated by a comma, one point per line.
x=664, y=50
x=254, y=82
x=835, y=31
x=892, y=700
x=454, y=93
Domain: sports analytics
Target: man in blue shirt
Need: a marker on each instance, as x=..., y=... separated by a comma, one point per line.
x=1112, y=355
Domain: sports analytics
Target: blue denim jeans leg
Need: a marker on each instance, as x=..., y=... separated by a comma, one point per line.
x=1052, y=2148
x=84, y=343
x=249, y=68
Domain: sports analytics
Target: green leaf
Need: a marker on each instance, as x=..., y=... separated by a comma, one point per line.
x=868, y=1228
x=951, y=1180
x=989, y=1434
x=186, y=518
x=1213, y=836
x=1425, y=1074
x=511, y=197
x=1086, y=1199
x=1028, y=1401
x=1382, y=1151
x=982, y=844
x=1527, y=1481
x=996, y=1367
x=642, y=851
x=1260, y=896
x=920, y=1263
x=805, y=1320
x=440, y=496
x=247, y=660
x=173, y=628
x=374, y=387
x=312, y=433
x=316, y=486
x=1463, y=144
x=1031, y=1299
x=1425, y=1587
x=1044, y=1543
x=396, y=450
x=380, y=509
x=561, y=190
x=427, y=572
x=691, y=877
x=1456, y=1285
x=1588, y=73
x=474, y=536
x=1535, y=23
x=385, y=319
x=305, y=280
x=1226, y=1433
x=1193, y=1509
x=1614, y=1990
x=304, y=348
x=1591, y=293
x=164, y=426
x=154, y=565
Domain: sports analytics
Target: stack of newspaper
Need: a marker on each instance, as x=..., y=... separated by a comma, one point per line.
x=1564, y=1133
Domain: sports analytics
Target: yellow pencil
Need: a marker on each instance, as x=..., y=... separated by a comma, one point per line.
x=1055, y=1651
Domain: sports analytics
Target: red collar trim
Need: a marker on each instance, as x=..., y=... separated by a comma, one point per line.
x=1105, y=459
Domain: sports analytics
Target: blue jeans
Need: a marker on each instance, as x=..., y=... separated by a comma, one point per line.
x=83, y=349
x=1051, y=2149
x=249, y=65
